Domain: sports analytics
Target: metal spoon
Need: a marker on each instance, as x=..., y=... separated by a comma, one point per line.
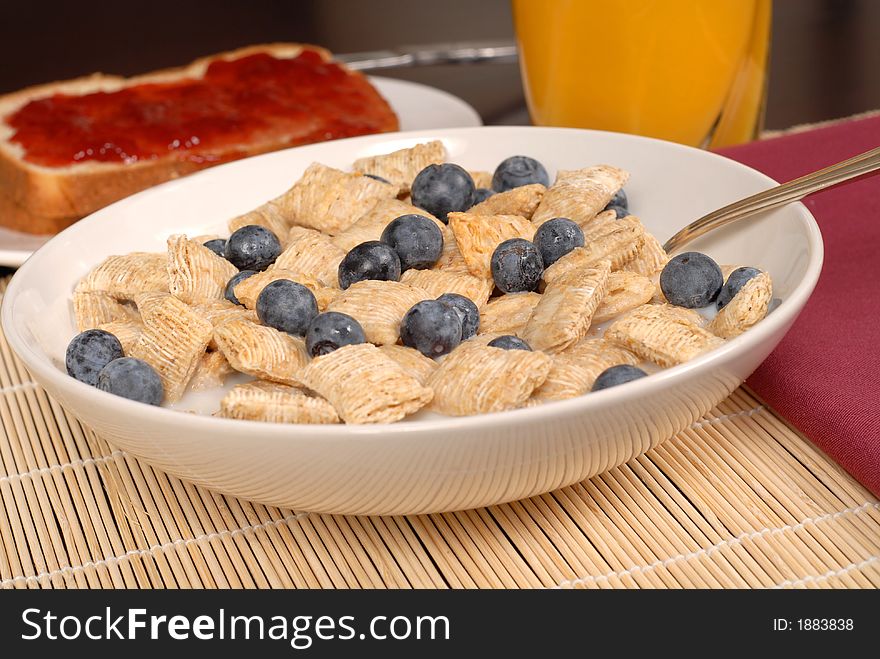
x=777, y=196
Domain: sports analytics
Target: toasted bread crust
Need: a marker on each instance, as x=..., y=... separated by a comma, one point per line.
x=45, y=200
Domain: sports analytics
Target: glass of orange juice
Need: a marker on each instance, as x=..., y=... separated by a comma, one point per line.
x=690, y=71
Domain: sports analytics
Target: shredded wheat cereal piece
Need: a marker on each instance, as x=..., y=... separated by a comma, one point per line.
x=451, y=259
x=411, y=360
x=508, y=314
x=371, y=224
x=212, y=370
x=330, y=200
x=195, y=273
x=248, y=290
x=650, y=259
x=601, y=225
x=365, y=385
x=619, y=246
x=481, y=179
x=565, y=310
x=520, y=201
x=401, y=167
x=657, y=334
x=313, y=254
x=626, y=291
x=478, y=379
x=269, y=216
x=378, y=306
x=580, y=194
x=691, y=316
x=96, y=308
x=173, y=340
x=438, y=282
x=261, y=351
x=123, y=277
x=747, y=307
x=127, y=331
x=574, y=371
x=276, y=403
x=477, y=236
x=218, y=312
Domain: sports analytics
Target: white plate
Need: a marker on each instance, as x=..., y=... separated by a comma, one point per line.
x=428, y=464
x=419, y=107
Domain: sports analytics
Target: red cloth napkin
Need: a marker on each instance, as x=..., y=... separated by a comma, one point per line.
x=825, y=375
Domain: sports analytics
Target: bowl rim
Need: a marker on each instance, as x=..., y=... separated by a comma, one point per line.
x=37, y=362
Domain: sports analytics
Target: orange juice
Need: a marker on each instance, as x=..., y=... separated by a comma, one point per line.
x=691, y=71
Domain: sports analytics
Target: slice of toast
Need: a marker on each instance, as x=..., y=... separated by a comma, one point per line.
x=42, y=196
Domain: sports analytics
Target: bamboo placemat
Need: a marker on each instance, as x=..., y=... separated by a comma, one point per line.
x=738, y=500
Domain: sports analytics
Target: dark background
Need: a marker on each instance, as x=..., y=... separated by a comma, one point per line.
x=825, y=60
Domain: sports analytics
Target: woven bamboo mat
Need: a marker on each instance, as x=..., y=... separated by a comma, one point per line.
x=738, y=500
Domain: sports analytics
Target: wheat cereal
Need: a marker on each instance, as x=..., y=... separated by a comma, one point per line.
x=565, y=310
x=580, y=194
x=477, y=236
x=378, y=306
x=261, y=351
x=124, y=277
x=173, y=340
x=372, y=223
x=364, y=385
x=478, y=379
x=312, y=254
x=275, y=403
x=626, y=291
x=438, y=282
x=195, y=273
x=660, y=335
x=574, y=370
x=401, y=167
x=747, y=307
x=508, y=314
x=330, y=200
x=411, y=360
x=521, y=201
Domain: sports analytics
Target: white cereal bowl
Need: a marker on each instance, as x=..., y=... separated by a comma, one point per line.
x=430, y=464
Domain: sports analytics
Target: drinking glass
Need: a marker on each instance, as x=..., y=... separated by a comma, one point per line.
x=689, y=71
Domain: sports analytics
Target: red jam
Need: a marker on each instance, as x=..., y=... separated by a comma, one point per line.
x=253, y=99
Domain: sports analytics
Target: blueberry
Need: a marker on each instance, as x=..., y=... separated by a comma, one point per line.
x=691, y=280
x=619, y=199
x=556, y=238
x=233, y=282
x=482, y=194
x=417, y=240
x=517, y=266
x=89, y=352
x=287, y=306
x=133, y=379
x=467, y=311
x=252, y=248
x=431, y=327
x=619, y=211
x=510, y=342
x=331, y=330
x=442, y=189
x=376, y=177
x=370, y=260
x=516, y=171
x=218, y=246
x=735, y=281
x=620, y=374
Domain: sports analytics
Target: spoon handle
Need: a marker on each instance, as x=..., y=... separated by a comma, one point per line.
x=779, y=195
